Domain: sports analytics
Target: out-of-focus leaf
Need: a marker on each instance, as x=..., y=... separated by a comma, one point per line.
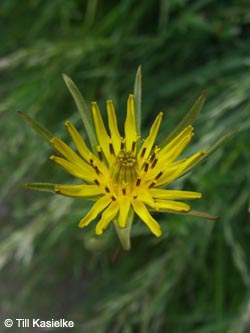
x=82, y=107
x=188, y=119
x=40, y=129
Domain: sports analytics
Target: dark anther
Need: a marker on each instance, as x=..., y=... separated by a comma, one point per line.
x=154, y=163
x=152, y=157
x=133, y=146
x=146, y=167
x=111, y=149
x=97, y=182
x=143, y=151
x=124, y=191
x=138, y=182
x=159, y=175
x=107, y=189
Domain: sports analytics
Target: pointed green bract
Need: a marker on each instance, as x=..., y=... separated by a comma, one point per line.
x=124, y=233
x=202, y=215
x=83, y=109
x=137, y=96
x=42, y=131
x=188, y=119
x=44, y=187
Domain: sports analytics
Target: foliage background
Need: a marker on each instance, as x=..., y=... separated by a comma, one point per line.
x=196, y=277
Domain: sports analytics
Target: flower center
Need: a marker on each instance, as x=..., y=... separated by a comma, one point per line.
x=124, y=170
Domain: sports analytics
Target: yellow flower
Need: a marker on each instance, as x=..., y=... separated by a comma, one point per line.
x=125, y=174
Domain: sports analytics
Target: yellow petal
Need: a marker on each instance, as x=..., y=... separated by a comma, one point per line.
x=130, y=125
x=145, y=196
x=175, y=151
x=83, y=171
x=173, y=194
x=78, y=141
x=184, y=165
x=124, y=202
x=95, y=210
x=79, y=191
x=65, y=150
x=107, y=216
x=149, y=141
x=114, y=131
x=144, y=214
x=101, y=132
x=174, y=206
x=180, y=142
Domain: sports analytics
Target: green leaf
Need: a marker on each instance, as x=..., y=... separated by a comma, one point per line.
x=137, y=95
x=83, y=109
x=44, y=187
x=188, y=119
x=42, y=131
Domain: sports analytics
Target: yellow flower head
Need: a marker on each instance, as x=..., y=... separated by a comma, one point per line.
x=124, y=175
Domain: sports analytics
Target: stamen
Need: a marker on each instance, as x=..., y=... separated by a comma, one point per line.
x=143, y=151
x=133, y=146
x=97, y=182
x=154, y=163
x=152, y=184
x=135, y=196
x=159, y=175
x=138, y=182
x=113, y=198
x=146, y=167
x=152, y=157
x=96, y=170
x=123, y=144
x=124, y=191
x=107, y=189
x=111, y=149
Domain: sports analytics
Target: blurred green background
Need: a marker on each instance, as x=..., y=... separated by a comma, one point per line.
x=196, y=277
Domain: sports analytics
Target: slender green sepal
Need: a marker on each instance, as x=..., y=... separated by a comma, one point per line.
x=197, y=213
x=42, y=131
x=82, y=107
x=124, y=233
x=188, y=119
x=137, y=95
x=202, y=215
x=44, y=187
x=212, y=149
